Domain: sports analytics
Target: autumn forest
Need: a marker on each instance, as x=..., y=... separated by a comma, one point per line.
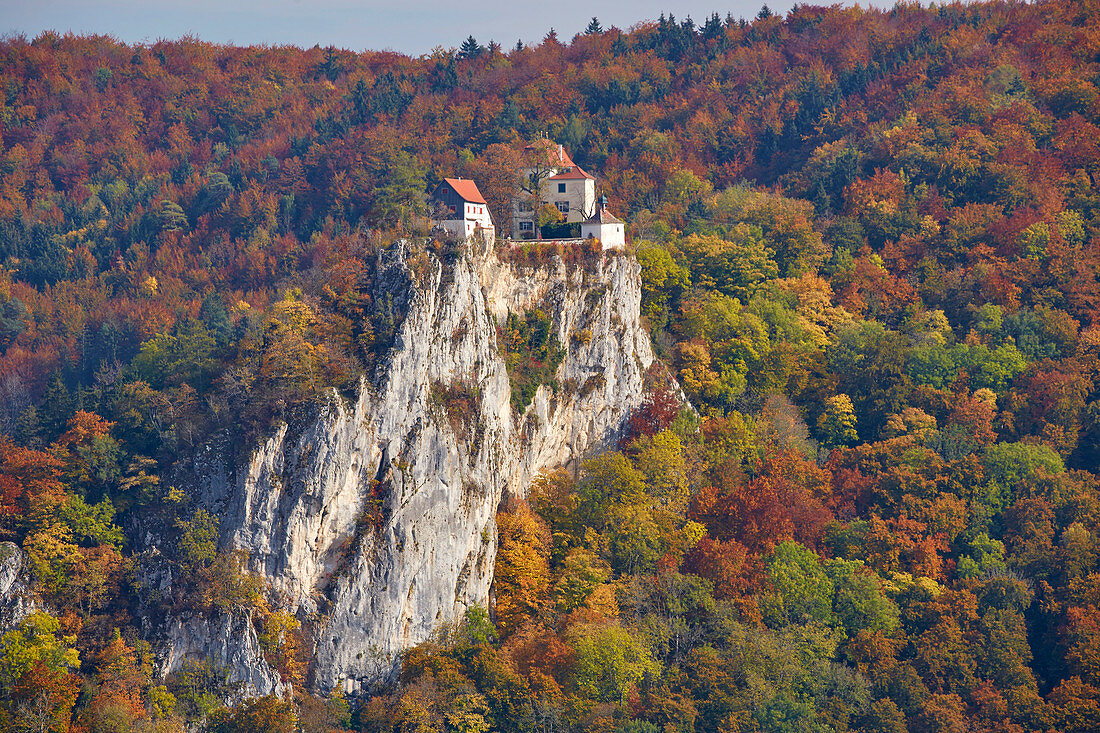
x=863, y=490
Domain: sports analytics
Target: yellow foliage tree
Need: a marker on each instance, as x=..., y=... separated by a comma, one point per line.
x=661, y=460
x=816, y=313
x=523, y=566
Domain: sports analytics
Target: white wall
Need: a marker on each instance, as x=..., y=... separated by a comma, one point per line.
x=611, y=236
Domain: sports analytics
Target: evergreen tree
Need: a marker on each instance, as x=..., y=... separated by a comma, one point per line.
x=331, y=66
x=470, y=49
x=712, y=29
x=57, y=407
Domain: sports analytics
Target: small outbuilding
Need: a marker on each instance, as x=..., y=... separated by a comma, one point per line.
x=603, y=226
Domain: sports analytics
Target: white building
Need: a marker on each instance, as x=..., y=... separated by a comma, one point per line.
x=551, y=177
x=603, y=226
x=463, y=210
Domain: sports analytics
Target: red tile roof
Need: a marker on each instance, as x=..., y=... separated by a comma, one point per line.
x=603, y=216
x=466, y=189
x=555, y=154
x=574, y=173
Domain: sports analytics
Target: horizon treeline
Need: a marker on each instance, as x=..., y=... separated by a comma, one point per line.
x=870, y=257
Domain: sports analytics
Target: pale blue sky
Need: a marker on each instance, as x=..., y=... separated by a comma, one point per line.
x=408, y=26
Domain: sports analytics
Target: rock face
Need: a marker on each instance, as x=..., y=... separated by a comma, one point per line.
x=17, y=601
x=231, y=643
x=375, y=523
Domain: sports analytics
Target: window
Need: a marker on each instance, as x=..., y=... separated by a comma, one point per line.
x=561, y=188
x=526, y=206
x=563, y=207
x=526, y=226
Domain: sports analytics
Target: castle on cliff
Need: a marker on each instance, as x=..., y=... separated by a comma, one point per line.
x=551, y=186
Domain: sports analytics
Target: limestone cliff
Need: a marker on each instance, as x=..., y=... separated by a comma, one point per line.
x=17, y=601
x=375, y=522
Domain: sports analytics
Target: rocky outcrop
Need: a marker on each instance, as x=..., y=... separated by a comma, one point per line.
x=17, y=601
x=227, y=642
x=375, y=522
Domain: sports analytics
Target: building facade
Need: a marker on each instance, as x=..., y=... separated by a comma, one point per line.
x=550, y=177
x=462, y=210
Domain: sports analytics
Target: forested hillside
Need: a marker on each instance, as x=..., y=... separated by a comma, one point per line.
x=870, y=251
